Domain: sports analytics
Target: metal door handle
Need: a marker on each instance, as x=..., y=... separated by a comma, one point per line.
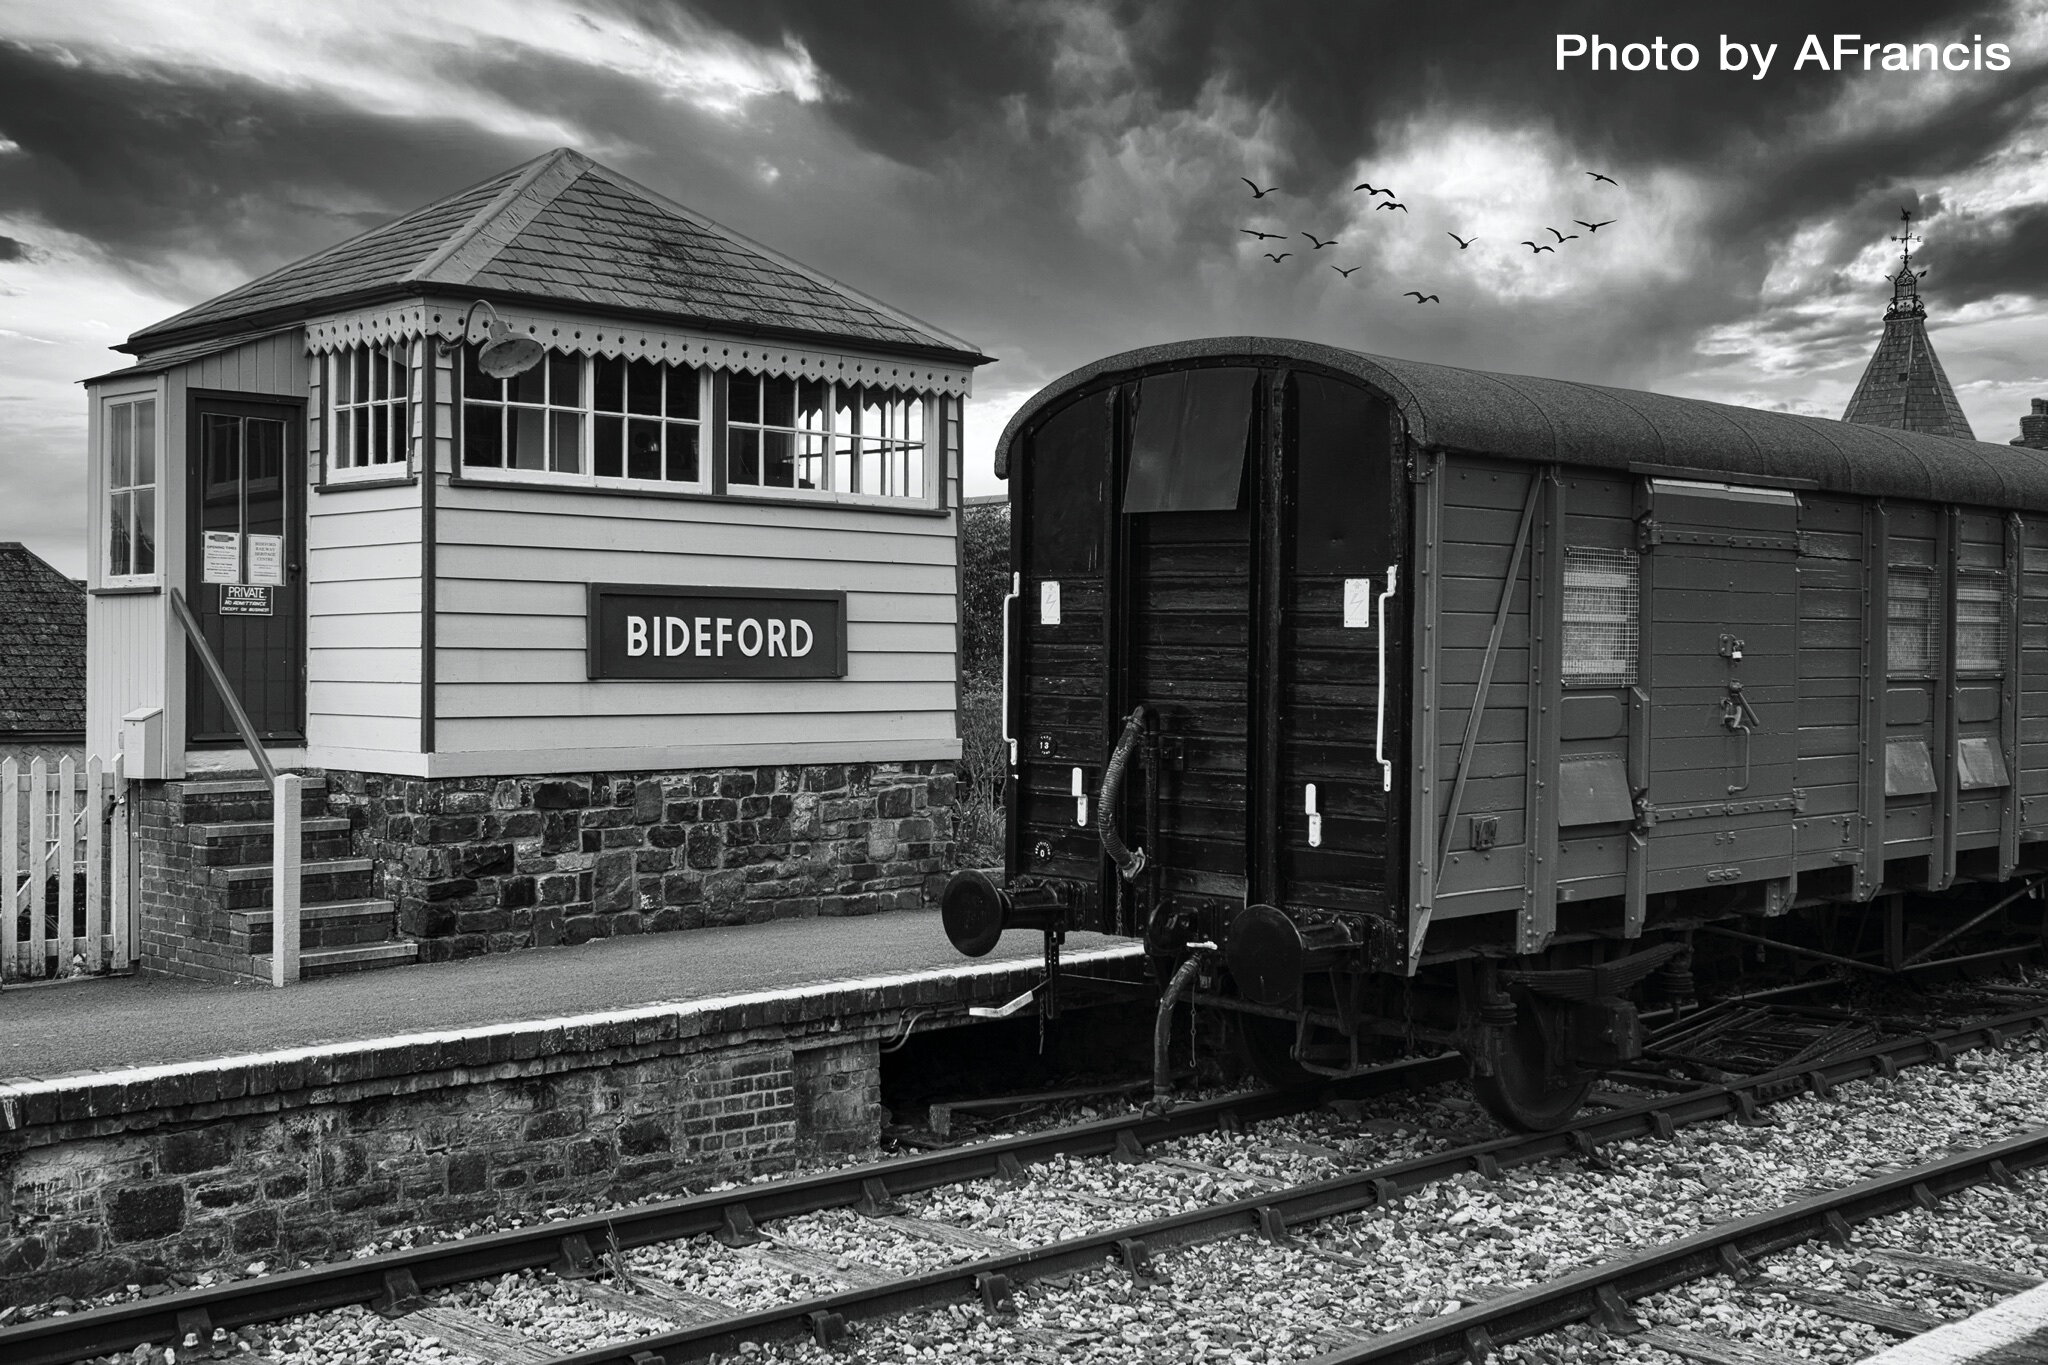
x=1734, y=707
x=1379, y=728
x=1009, y=600
x=1315, y=817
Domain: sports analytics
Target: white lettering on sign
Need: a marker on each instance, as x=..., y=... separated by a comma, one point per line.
x=671, y=637
x=1357, y=603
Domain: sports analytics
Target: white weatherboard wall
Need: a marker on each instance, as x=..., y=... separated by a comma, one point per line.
x=512, y=693
x=135, y=657
x=363, y=572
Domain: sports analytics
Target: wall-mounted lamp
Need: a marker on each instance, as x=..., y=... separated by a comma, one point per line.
x=504, y=354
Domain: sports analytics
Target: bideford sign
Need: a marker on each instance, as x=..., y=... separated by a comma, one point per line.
x=653, y=631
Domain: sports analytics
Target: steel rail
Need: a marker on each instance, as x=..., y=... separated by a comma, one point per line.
x=568, y=1243
x=1602, y=1288
x=1273, y=1213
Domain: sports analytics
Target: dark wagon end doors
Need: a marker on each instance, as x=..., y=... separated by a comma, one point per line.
x=1212, y=543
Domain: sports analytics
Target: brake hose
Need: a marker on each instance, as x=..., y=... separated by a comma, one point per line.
x=1129, y=861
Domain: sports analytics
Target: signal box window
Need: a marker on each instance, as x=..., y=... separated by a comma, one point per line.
x=1602, y=617
x=1910, y=622
x=593, y=421
x=812, y=436
x=369, y=411
x=130, y=436
x=1980, y=624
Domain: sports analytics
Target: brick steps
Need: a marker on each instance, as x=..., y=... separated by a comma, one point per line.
x=323, y=879
x=334, y=924
x=361, y=957
x=247, y=842
x=240, y=799
x=228, y=837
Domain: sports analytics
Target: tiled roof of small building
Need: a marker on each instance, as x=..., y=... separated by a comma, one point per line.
x=42, y=647
x=564, y=229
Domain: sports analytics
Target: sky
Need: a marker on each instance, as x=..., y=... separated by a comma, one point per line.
x=1056, y=181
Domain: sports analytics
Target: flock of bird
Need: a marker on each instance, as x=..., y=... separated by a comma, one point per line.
x=1374, y=191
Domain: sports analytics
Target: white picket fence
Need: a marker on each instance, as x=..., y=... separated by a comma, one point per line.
x=63, y=873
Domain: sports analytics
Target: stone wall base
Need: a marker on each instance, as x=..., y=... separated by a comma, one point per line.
x=478, y=865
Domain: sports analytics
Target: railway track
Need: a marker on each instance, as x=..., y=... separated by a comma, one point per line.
x=1604, y=1292
x=572, y=1246
x=582, y=1251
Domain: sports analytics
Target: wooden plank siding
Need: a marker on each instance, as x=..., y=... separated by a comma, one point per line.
x=507, y=677
x=1482, y=510
x=134, y=657
x=1827, y=661
x=364, y=561
x=510, y=676
x=2032, y=778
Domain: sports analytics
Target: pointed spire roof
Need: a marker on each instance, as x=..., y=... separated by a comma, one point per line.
x=563, y=229
x=1904, y=385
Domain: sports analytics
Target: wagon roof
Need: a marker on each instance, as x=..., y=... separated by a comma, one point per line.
x=565, y=229
x=1519, y=417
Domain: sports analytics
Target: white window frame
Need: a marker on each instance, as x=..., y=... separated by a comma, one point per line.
x=930, y=444
x=103, y=535
x=396, y=415
x=585, y=475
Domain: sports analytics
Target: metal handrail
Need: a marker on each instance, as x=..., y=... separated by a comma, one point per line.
x=1379, y=726
x=1009, y=600
x=183, y=613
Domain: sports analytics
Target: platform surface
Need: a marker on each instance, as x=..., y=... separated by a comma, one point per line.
x=122, y=1023
x=2011, y=1330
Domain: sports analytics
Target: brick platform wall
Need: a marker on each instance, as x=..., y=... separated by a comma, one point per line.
x=316, y=1181
x=312, y=1152
x=838, y=1095
x=479, y=865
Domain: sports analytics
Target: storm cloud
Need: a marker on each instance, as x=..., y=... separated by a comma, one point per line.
x=1056, y=180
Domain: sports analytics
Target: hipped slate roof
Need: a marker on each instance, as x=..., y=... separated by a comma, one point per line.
x=42, y=648
x=1518, y=417
x=565, y=230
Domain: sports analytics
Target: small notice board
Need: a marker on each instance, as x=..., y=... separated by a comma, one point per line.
x=238, y=599
x=266, y=560
x=222, y=561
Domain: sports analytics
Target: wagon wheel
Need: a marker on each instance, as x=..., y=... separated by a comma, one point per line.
x=1269, y=1047
x=1534, y=1086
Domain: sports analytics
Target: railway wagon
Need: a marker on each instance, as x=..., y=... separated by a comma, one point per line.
x=1388, y=700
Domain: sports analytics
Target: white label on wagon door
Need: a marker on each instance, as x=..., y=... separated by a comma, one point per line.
x=1049, y=602
x=1357, y=603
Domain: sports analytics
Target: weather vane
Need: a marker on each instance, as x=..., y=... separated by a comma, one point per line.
x=1906, y=283
x=1905, y=239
